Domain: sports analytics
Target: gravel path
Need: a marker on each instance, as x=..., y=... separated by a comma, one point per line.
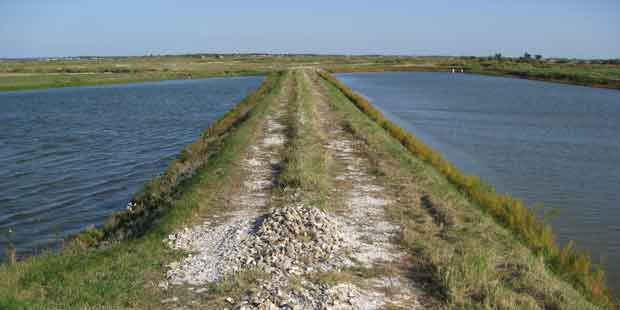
x=216, y=243
x=295, y=244
x=369, y=234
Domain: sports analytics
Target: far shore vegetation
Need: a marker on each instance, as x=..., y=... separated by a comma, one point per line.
x=90, y=71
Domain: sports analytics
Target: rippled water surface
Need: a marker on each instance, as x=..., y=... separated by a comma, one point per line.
x=70, y=157
x=542, y=142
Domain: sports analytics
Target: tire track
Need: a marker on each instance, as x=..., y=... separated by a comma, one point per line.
x=369, y=234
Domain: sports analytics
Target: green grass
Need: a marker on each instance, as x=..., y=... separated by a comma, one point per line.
x=580, y=74
x=524, y=227
x=125, y=274
x=44, y=81
x=21, y=75
x=305, y=167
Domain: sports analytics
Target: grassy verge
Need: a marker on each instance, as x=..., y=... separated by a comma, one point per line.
x=158, y=195
x=125, y=274
x=305, y=166
x=44, y=81
x=581, y=78
x=605, y=77
x=572, y=266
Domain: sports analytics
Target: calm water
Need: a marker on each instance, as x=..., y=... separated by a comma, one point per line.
x=542, y=142
x=70, y=157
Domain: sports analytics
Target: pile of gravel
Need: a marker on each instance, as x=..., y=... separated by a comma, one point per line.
x=286, y=243
x=293, y=240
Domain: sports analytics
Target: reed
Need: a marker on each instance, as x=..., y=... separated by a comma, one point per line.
x=570, y=264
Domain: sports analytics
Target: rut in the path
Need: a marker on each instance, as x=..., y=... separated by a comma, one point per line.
x=215, y=242
x=369, y=233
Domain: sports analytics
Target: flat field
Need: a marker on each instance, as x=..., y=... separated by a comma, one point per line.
x=48, y=73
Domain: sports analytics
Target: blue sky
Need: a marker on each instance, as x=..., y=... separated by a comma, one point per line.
x=569, y=28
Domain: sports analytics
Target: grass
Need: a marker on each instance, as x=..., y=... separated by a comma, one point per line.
x=21, y=75
x=43, y=81
x=305, y=167
x=569, y=72
x=570, y=265
x=598, y=75
x=125, y=274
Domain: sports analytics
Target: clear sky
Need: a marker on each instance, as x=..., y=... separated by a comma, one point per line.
x=564, y=28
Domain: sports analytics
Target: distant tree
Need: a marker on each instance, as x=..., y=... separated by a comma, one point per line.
x=497, y=56
x=538, y=56
x=527, y=56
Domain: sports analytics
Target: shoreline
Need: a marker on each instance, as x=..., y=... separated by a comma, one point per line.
x=498, y=73
x=139, y=80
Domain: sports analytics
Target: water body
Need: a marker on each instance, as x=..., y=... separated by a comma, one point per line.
x=538, y=141
x=70, y=157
